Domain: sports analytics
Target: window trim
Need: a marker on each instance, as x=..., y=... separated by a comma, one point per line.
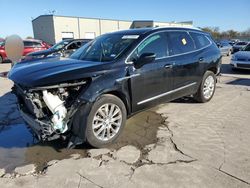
x=169, y=56
x=194, y=40
x=147, y=39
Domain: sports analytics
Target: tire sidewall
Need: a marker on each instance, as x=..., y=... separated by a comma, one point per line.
x=104, y=99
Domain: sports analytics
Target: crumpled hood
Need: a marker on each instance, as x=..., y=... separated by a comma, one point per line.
x=49, y=71
x=242, y=55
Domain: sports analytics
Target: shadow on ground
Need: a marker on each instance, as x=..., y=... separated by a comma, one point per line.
x=241, y=81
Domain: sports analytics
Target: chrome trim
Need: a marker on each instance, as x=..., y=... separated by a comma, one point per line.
x=167, y=93
x=127, y=77
x=126, y=60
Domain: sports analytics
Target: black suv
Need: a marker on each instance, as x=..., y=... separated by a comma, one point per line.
x=89, y=96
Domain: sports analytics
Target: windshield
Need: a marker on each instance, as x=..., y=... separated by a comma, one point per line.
x=105, y=48
x=247, y=48
x=60, y=45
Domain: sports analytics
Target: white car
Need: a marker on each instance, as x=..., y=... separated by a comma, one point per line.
x=241, y=59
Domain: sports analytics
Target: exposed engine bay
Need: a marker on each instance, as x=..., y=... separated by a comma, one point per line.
x=48, y=110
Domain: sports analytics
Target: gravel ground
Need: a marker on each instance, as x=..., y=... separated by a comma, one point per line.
x=195, y=145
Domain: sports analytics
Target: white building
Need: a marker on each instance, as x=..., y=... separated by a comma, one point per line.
x=53, y=28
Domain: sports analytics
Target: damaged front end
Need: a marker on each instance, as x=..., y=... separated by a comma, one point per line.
x=49, y=110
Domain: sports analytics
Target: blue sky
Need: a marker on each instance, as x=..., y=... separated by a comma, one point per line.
x=226, y=14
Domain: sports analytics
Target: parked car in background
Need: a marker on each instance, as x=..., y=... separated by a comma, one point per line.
x=238, y=46
x=30, y=45
x=89, y=96
x=233, y=41
x=241, y=59
x=64, y=48
x=225, y=47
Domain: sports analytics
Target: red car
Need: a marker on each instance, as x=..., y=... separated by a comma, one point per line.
x=30, y=45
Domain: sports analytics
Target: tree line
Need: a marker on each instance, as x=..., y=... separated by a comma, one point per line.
x=229, y=34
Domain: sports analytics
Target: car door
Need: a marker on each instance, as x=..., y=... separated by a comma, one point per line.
x=150, y=82
x=186, y=60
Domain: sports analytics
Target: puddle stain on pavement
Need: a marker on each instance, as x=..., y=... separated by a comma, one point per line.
x=18, y=146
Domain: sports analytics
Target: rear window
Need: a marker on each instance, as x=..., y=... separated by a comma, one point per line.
x=200, y=40
x=37, y=44
x=27, y=43
x=180, y=42
x=31, y=44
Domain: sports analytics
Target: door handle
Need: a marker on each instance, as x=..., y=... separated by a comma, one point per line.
x=168, y=66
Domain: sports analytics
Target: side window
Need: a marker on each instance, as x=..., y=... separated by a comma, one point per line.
x=73, y=46
x=37, y=45
x=200, y=40
x=154, y=44
x=79, y=44
x=180, y=42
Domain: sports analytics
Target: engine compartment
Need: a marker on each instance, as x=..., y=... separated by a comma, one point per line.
x=51, y=107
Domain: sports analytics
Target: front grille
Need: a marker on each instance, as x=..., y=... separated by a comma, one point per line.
x=243, y=65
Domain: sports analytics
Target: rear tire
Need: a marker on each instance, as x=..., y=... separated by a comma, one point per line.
x=206, y=89
x=1, y=59
x=106, y=121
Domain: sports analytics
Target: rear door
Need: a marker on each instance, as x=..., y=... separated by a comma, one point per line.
x=186, y=59
x=150, y=82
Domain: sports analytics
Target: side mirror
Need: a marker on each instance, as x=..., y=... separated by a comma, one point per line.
x=144, y=59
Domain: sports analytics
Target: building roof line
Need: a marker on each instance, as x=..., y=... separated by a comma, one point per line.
x=108, y=19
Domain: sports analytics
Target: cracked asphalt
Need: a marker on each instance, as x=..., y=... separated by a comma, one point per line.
x=177, y=144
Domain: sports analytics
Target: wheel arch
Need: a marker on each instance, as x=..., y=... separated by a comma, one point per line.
x=213, y=69
x=123, y=98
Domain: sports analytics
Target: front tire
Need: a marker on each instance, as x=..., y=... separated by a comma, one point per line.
x=106, y=121
x=207, y=88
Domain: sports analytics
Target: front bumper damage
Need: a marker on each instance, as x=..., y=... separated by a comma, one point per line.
x=42, y=130
x=43, y=118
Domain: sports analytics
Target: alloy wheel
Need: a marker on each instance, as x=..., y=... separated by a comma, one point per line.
x=107, y=122
x=208, y=87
